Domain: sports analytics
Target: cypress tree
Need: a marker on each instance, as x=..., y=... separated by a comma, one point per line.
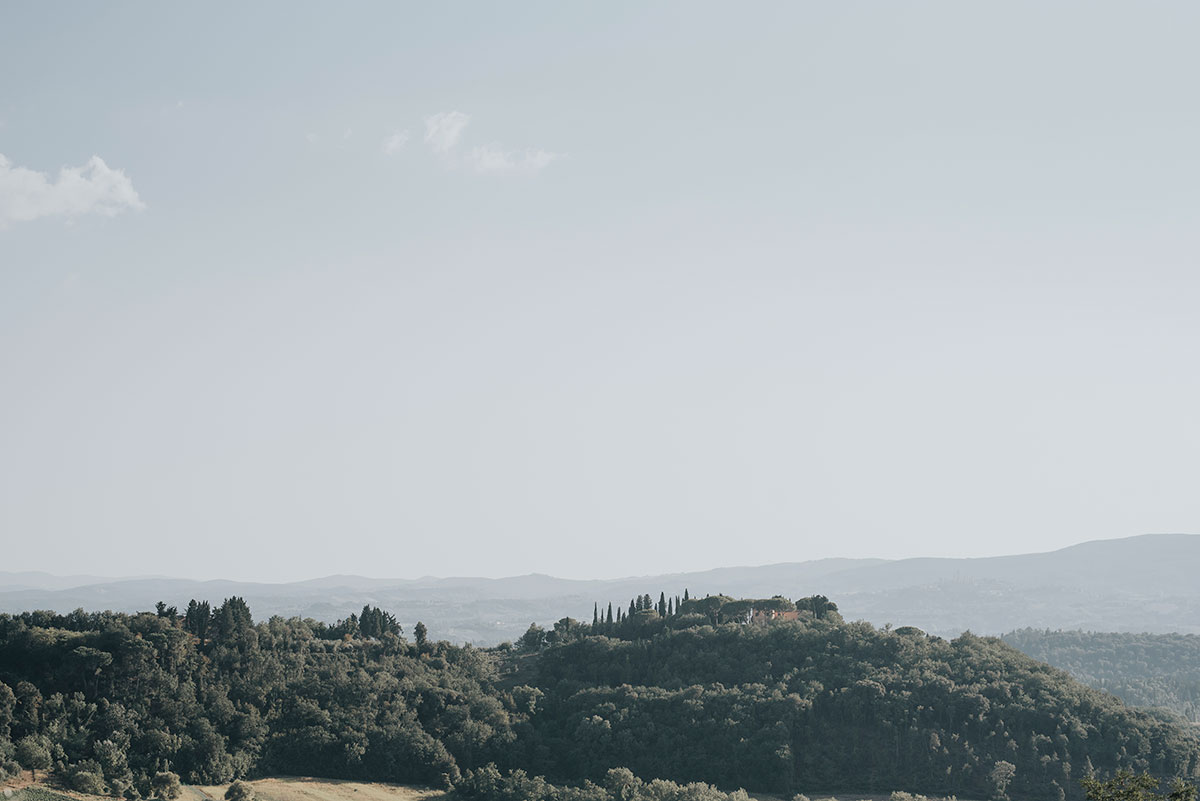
x=670, y=607
x=609, y=620
x=685, y=594
x=368, y=622
x=595, y=614
x=197, y=618
x=632, y=609
x=662, y=604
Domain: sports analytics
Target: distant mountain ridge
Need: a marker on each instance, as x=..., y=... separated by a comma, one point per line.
x=1143, y=583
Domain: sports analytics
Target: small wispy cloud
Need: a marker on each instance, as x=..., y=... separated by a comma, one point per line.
x=395, y=143
x=493, y=158
x=442, y=130
x=94, y=188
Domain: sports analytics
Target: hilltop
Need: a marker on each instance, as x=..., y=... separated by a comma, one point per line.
x=1134, y=584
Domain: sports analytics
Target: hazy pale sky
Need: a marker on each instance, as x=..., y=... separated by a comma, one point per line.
x=293, y=289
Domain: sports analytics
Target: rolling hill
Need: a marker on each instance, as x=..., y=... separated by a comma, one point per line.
x=1134, y=584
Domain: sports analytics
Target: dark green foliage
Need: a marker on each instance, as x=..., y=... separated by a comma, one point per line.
x=373, y=623
x=33, y=753
x=8, y=706
x=532, y=640
x=239, y=791
x=674, y=693
x=165, y=786
x=819, y=605
x=9, y=768
x=421, y=634
x=619, y=784
x=709, y=607
x=1002, y=774
x=232, y=620
x=119, y=700
x=1150, y=670
x=88, y=781
x=198, y=618
x=566, y=630
x=1125, y=785
x=823, y=705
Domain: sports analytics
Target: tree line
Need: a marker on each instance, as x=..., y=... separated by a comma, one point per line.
x=646, y=617
x=681, y=696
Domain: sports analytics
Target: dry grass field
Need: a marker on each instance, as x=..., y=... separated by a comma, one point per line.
x=287, y=788
x=298, y=788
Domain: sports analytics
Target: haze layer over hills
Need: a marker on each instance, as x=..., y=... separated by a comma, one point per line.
x=1144, y=583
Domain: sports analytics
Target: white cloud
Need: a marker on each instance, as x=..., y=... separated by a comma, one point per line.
x=94, y=188
x=443, y=129
x=394, y=143
x=493, y=158
x=443, y=132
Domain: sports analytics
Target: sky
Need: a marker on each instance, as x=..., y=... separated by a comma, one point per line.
x=594, y=290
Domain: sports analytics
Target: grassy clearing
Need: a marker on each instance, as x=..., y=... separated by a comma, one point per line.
x=275, y=789
x=298, y=788
x=36, y=793
x=303, y=789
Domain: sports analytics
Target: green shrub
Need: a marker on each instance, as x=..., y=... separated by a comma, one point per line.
x=85, y=781
x=239, y=791
x=165, y=785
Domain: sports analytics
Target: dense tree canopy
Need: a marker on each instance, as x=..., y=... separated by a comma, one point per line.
x=680, y=698
x=1126, y=785
x=116, y=699
x=833, y=706
x=1149, y=670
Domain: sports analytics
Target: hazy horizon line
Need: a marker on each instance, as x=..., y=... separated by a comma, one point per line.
x=94, y=579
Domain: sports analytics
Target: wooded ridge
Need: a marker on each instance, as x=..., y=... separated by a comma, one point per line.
x=772, y=695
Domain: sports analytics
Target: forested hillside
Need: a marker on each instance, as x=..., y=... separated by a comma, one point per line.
x=1149, y=670
x=769, y=695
